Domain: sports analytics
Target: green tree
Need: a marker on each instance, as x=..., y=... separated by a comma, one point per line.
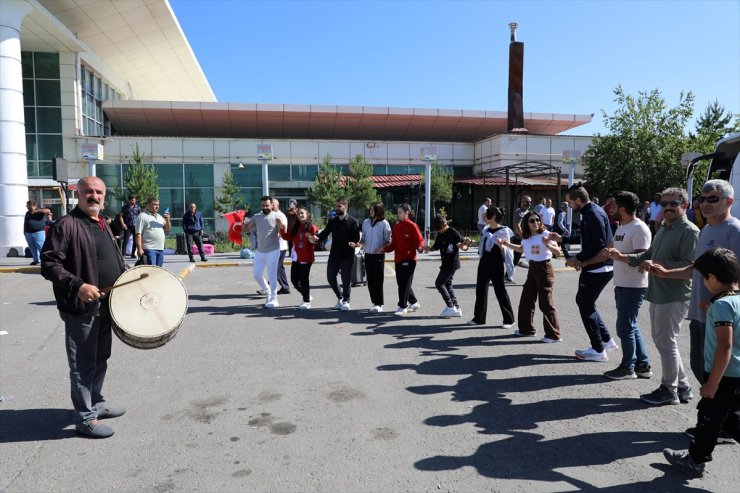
x=642, y=152
x=327, y=186
x=140, y=179
x=441, y=184
x=359, y=188
x=230, y=198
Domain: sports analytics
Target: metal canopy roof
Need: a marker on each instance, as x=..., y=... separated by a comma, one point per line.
x=278, y=121
x=140, y=40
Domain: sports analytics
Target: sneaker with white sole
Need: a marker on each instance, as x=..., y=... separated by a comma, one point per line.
x=610, y=345
x=375, y=309
x=621, y=373
x=344, y=307
x=448, y=312
x=400, y=312
x=304, y=306
x=685, y=394
x=272, y=304
x=643, y=371
x=507, y=326
x=458, y=312
x=522, y=334
x=339, y=304
x=680, y=459
x=661, y=396
x=473, y=322
x=723, y=438
x=413, y=307
x=549, y=340
x=591, y=354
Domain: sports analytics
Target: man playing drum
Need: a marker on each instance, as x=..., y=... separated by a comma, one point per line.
x=79, y=257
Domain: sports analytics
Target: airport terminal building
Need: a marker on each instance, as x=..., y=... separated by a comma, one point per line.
x=80, y=78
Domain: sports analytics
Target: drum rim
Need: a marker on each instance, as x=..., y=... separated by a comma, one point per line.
x=139, y=337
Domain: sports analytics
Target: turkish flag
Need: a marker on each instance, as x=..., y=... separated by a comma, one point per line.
x=236, y=219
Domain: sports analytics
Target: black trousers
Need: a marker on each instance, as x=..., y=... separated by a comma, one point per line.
x=590, y=286
x=189, y=238
x=375, y=271
x=719, y=414
x=282, y=276
x=491, y=271
x=333, y=267
x=299, y=274
x=404, y=278
x=443, y=283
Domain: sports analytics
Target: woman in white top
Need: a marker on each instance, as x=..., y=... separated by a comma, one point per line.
x=376, y=233
x=540, y=278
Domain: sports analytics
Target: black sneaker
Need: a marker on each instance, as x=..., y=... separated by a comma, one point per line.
x=661, y=396
x=621, y=373
x=680, y=459
x=685, y=394
x=643, y=371
x=723, y=438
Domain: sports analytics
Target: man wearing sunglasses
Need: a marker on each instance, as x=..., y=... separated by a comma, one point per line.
x=722, y=230
x=673, y=247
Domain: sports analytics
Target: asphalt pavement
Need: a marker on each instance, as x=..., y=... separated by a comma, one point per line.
x=250, y=399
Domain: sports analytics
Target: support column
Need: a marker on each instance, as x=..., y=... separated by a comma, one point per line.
x=13, y=175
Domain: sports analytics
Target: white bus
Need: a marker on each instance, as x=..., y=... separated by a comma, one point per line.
x=725, y=165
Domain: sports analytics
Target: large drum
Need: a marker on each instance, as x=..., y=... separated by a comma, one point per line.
x=147, y=305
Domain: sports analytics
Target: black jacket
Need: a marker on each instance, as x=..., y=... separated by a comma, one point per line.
x=69, y=260
x=342, y=232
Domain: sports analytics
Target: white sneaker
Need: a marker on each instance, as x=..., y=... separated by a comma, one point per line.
x=272, y=304
x=548, y=340
x=376, y=309
x=459, y=312
x=508, y=326
x=310, y=298
x=339, y=304
x=610, y=345
x=344, y=307
x=413, y=307
x=449, y=312
x=401, y=311
x=591, y=355
x=521, y=334
x=304, y=306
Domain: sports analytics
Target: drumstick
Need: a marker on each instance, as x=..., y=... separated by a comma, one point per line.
x=111, y=288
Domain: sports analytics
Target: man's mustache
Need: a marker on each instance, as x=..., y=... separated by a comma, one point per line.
x=93, y=201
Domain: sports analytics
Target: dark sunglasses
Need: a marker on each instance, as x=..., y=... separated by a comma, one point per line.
x=712, y=199
x=672, y=203
x=534, y=220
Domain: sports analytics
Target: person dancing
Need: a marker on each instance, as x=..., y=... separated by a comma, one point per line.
x=302, y=254
x=376, y=233
x=540, y=281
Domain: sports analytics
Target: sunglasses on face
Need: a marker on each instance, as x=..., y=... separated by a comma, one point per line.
x=534, y=220
x=672, y=203
x=712, y=199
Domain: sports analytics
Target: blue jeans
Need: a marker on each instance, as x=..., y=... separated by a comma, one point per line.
x=154, y=257
x=35, y=242
x=629, y=301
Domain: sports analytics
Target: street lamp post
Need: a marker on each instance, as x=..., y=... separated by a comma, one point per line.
x=571, y=157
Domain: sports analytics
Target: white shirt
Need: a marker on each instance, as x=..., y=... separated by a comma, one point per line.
x=534, y=249
x=635, y=235
x=283, y=243
x=482, y=214
x=548, y=216
x=151, y=227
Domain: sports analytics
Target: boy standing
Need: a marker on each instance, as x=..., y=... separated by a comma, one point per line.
x=448, y=242
x=719, y=408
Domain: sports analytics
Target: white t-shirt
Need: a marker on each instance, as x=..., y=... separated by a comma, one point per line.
x=283, y=243
x=151, y=227
x=635, y=235
x=548, y=216
x=482, y=214
x=534, y=249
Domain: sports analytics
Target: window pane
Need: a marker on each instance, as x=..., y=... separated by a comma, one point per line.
x=379, y=170
x=48, y=93
x=50, y=146
x=27, y=64
x=250, y=176
x=199, y=175
x=45, y=169
x=203, y=198
x=31, y=152
x=398, y=170
x=50, y=120
x=174, y=199
x=110, y=174
x=462, y=171
x=46, y=65
x=279, y=172
x=416, y=170
x=305, y=172
x=344, y=168
x=31, y=168
x=30, y=117
x=252, y=198
x=28, y=97
x=97, y=87
x=89, y=82
x=169, y=175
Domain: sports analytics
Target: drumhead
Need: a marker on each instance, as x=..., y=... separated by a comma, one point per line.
x=150, y=307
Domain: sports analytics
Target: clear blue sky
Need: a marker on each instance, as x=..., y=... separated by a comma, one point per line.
x=454, y=54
